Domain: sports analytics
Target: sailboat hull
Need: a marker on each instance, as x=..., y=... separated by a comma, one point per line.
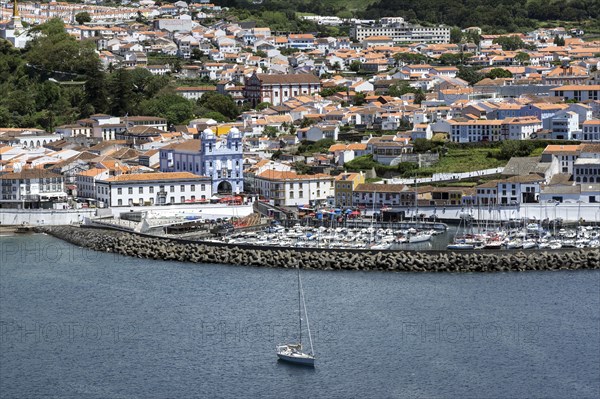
x=288, y=354
x=304, y=360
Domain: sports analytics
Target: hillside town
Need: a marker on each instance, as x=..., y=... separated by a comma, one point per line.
x=391, y=97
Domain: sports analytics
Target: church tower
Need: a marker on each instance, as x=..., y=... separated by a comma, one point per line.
x=15, y=22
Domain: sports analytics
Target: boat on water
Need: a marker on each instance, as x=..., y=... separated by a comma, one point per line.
x=419, y=237
x=458, y=245
x=294, y=353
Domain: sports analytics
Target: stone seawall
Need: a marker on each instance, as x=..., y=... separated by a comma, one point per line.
x=149, y=247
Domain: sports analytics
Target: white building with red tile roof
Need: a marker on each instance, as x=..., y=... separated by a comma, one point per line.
x=153, y=189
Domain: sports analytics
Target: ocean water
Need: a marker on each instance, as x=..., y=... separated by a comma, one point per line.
x=81, y=324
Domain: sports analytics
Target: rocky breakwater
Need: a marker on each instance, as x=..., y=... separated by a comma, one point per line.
x=148, y=247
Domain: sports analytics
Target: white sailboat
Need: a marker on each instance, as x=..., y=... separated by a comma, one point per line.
x=293, y=353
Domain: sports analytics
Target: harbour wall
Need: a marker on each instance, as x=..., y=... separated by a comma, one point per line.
x=43, y=217
x=158, y=248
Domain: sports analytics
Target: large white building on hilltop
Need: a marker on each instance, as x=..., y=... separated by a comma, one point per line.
x=221, y=160
x=401, y=31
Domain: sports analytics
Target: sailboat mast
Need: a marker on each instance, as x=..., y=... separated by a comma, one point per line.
x=312, y=351
x=300, y=304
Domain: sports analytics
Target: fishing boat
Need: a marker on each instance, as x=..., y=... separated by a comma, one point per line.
x=294, y=353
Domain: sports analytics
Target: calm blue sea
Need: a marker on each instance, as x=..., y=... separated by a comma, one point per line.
x=82, y=324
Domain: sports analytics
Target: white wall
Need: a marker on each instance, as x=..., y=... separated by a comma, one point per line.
x=42, y=217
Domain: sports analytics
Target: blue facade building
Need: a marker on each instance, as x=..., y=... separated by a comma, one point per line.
x=221, y=159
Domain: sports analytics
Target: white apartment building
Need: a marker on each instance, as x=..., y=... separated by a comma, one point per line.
x=586, y=170
x=377, y=196
x=590, y=131
x=577, y=92
x=493, y=129
x=86, y=181
x=74, y=130
x=401, y=31
x=31, y=188
x=153, y=189
x=564, y=125
x=522, y=128
x=519, y=189
x=287, y=188
x=565, y=154
x=514, y=190
x=475, y=131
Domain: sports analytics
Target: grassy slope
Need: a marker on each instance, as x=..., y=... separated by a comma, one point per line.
x=464, y=160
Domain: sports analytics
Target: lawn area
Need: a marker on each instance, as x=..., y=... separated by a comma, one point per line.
x=459, y=160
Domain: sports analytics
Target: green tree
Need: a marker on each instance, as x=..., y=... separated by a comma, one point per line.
x=510, y=43
x=219, y=117
x=121, y=87
x=263, y=105
x=359, y=98
x=469, y=74
x=451, y=59
x=306, y=122
x=514, y=148
x=330, y=91
x=355, y=66
x=420, y=97
x=83, y=17
x=522, y=58
x=167, y=104
x=400, y=89
x=456, y=35
x=219, y=102
x=559, y=41
x=196, y=54
x=271, y=131
x=498, y=73
x=301, y=167
x=53, y=51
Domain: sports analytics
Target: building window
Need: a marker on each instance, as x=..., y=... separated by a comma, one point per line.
x=119, y=202
x=151, y=189
x=202, y=187
x=119, y=191
x=130, y=190
x=172, y=190
x=193, y=187
x=172, y=200
x=141, y=190
x=182, y=199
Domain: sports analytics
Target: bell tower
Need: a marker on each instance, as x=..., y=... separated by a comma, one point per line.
x=15, y=22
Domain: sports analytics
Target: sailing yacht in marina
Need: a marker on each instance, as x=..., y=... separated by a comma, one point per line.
x=293, y=353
